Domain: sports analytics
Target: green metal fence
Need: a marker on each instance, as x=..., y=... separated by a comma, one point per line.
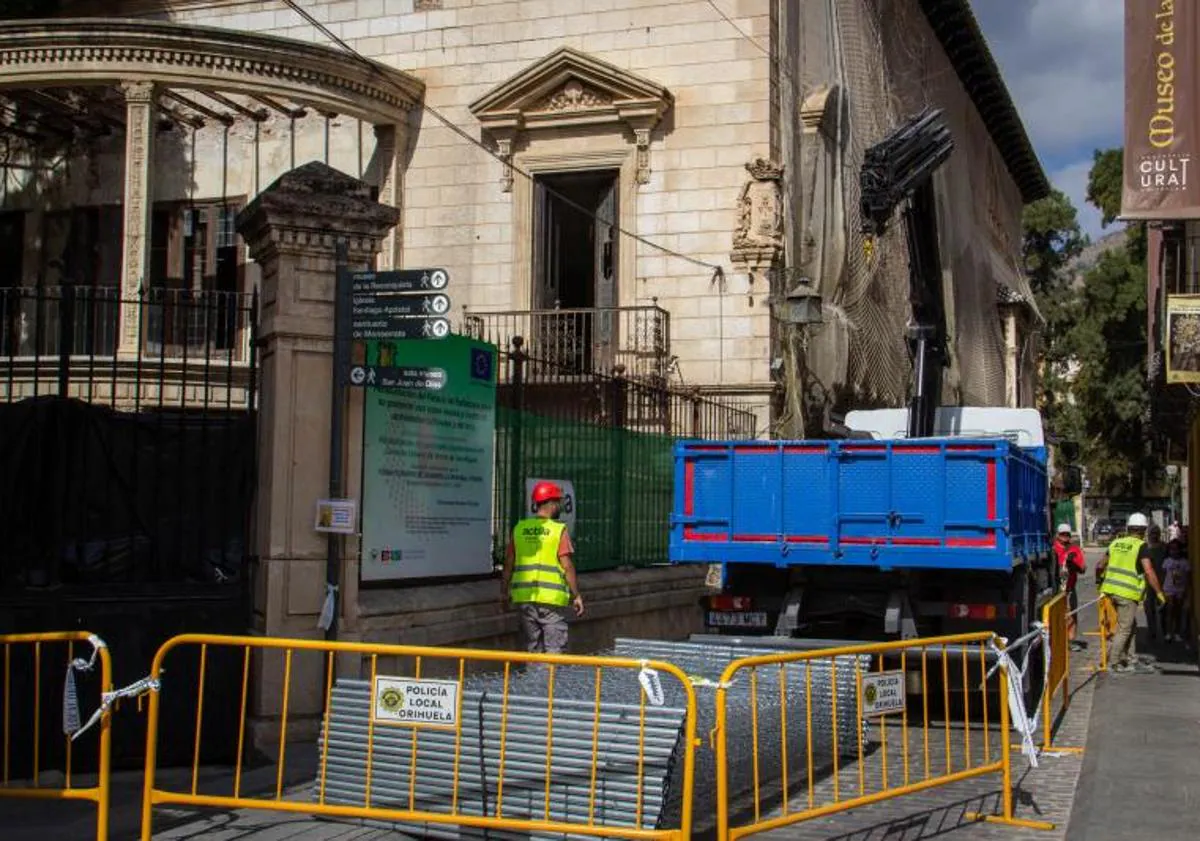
x=612, y=438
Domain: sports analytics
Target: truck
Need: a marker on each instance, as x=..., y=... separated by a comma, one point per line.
x=920, y=520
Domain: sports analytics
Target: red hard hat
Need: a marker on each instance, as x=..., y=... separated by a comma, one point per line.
x=546, y=491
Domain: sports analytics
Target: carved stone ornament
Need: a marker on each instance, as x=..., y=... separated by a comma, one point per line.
x=818, y=112
x=569, y=89
x=764, y=169
x=504, y=150
x=642, y=138
x=758, y=240
x=574, y=96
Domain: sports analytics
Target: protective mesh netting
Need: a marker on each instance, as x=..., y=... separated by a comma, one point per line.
x=873, y=292
x=884, y=80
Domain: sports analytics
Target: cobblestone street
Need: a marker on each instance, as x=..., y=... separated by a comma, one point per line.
x=1045, y=793
x=1082, y=794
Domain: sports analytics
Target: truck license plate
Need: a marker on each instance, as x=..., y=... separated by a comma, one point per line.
x=725, y=619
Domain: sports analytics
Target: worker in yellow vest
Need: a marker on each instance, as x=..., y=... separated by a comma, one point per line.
x=1125, y=571
x=539, y=576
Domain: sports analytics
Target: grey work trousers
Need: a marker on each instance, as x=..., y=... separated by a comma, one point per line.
x=545, y=628
x=1124, y=644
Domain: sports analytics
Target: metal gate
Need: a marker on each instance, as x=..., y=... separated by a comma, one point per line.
x=127, y=467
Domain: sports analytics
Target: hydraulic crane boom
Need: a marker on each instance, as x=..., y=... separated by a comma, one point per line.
x=900, y=169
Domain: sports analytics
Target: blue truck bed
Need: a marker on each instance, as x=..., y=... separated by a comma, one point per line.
x=939, y=503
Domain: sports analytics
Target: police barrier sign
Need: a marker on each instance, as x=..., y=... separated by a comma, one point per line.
x=414, y=702
x=883, y=693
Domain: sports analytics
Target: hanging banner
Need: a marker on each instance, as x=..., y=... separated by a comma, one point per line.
x=1183, y=338
x=1162, y=110
x=428, y=457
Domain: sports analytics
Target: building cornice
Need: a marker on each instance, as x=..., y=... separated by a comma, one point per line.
x=92, y=51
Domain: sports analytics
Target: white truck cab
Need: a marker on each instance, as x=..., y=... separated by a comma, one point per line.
x=1023, y=427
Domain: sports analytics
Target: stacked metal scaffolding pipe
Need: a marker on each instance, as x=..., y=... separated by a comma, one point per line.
x=705, y=662
x=445, y=771
x=624, y=789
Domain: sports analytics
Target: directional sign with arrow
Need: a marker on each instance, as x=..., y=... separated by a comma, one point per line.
x=400, y=327
x=400, y=281
x=370, y=307
x=388, y=306
x=378, y=376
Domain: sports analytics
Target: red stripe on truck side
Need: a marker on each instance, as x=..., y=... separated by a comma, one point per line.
x=689, y=488
x=988, y=542
x=771, y=538
x=991, y=489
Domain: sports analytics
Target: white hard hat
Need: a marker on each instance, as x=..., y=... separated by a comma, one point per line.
x=1063, y=528
x=1137, y=520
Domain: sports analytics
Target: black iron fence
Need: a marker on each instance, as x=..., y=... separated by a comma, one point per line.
x=563, y=342
x=126, y=457
x=612, y=438
x=38, y=321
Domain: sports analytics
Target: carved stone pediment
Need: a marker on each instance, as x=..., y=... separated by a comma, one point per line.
x=571, y=88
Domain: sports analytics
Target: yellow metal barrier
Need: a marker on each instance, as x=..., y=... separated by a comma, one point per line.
x=1107, y=627
x=1058, y=677
x=922, y=747
x=448, y=667
x=50, y=768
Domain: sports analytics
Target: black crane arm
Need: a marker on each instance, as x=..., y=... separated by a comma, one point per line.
x=899, y=169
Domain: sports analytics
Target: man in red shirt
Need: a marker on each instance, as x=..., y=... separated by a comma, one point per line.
x=1071, y=564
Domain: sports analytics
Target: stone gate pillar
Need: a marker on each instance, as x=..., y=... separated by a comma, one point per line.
x=292, y=229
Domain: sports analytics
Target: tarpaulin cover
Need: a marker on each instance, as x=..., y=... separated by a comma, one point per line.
x=92, y=495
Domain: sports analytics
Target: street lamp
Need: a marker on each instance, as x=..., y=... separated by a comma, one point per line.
x=802, y=304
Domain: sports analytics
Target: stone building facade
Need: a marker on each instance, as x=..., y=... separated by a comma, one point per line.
x=717, y=146
x=632, y=163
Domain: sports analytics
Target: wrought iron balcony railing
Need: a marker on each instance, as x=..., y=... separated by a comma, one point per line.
x=581, y=341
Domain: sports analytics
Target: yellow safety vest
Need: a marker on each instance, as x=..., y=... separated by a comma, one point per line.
x=537, y=574
x=1123, y=576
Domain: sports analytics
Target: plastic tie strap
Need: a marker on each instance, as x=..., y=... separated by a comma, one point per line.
x=1025, y=725
x=70, y=696
x=325, y=620
x=651, y=685
x=700, y=680
x=107, y=699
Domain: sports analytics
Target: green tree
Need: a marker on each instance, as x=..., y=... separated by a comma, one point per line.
x=1106, y=343
x=1052, y=239
x=1105, y=182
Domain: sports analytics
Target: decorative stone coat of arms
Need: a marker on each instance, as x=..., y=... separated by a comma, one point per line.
x=758, y=240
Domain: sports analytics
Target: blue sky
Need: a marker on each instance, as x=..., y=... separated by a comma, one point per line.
x=1062, y=61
